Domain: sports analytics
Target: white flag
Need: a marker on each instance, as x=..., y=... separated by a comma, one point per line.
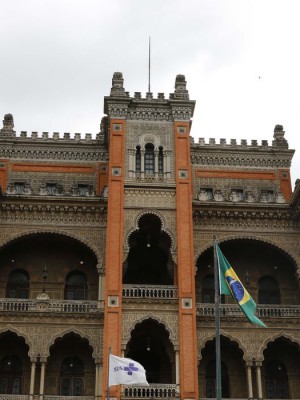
x=124, y=371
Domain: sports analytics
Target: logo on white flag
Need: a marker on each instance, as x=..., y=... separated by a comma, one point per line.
x=124, y=371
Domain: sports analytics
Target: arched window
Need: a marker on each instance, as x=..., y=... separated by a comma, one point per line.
x=149, y=158
x=71, y=377
x=18, y=285
x=276, y=380
x=210, y=380
x=160, y=161
x=76, y=286
x=208, y=289
x=10, y=375
x=268, y=291
x=138, y=163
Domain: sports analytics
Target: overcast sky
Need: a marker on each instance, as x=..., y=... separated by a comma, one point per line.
x=240, y=58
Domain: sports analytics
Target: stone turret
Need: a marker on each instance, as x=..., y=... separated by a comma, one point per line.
x=8, y=126
x=279, y=140
x=181, y=91
x=117, y=89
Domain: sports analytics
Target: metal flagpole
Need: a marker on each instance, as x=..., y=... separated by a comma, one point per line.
x=149, y=65
x=217, y=320
x=109, y=351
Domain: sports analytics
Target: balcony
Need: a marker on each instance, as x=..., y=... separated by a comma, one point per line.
x=159, y=292
x=158, y=391
x=263, y=311
x=55, y=306
x=46, y=397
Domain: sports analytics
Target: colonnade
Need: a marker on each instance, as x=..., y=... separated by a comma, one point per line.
x=166, y=164
x=257, y=367
x=43, y=363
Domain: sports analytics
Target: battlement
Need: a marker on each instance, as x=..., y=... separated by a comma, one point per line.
x=7, y=132
x=55, y=136
x=279, y=141
x=118, y=90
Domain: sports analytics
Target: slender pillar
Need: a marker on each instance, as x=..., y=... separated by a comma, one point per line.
x=131, y=162
x=42, y=380
x=177, y=367
x=100, y=284
x=32, y=378
x=156, y=163
x=249, y=380
x=98, y=386
x=258, y=379
x=142, y=163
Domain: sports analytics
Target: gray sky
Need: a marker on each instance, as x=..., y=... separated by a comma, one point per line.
x=240, y=58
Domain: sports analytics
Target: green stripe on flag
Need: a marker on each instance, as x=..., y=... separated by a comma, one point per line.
x=230, y=284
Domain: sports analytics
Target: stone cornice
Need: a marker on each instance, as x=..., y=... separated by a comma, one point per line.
x=266, y=217
x=68, y=212
x=241, y=156
x=53, y=150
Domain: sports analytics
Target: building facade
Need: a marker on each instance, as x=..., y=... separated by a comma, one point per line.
x=107, y=242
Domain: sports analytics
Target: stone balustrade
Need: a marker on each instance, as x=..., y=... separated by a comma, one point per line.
x=263, y=311
x=48, y=305
x=150, y=291
x=153, y=391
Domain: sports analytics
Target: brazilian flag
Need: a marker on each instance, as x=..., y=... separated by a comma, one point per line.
x=231, y=285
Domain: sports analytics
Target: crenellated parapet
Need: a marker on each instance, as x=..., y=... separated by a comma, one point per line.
x=149, y=108
x=55, y=146
x=243, y=153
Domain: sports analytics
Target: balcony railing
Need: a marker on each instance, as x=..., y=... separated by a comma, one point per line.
x=50, y=397
x=264, y=311
x=61, y=306
x=153, y=391
x=150, y=292
x=46, y=397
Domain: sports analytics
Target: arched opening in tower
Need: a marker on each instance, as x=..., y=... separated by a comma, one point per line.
x=150, y=346
x=149, y=259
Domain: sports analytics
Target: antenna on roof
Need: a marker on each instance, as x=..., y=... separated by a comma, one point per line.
x=149, y=65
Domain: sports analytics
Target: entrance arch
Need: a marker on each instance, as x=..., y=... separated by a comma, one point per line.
x=281, y=369
x=267, y=272
x=150, y=346
x=149, y=259
x=234, y=382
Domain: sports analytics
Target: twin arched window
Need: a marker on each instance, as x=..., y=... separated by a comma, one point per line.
x=268, y=292
x=18, y=285
x=76, y=286
x=149, y=167
x=276, y=380
x=10, y=375
x=71, y=377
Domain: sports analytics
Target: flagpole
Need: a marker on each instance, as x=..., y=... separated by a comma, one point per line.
x=217, y=321
x=108, y=394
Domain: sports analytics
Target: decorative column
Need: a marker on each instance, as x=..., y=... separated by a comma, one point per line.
x=98, y=380
x=156, y=163
x=32, y=377
x=258, y=379
x=131, y=163
x=42, y=378
x=142, y=163
x=249, y=379
x=177, y=368
x=101, y=273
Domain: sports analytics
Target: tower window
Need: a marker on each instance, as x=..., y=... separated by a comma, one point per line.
x=51, y=189
x=160, y=161
x=138, y=160
x=18, y=285
x=19, y=187
x=149, y=158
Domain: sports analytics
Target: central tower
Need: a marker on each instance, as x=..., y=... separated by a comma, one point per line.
x=150, y=289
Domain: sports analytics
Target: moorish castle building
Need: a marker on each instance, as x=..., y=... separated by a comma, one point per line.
x=106, y=242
